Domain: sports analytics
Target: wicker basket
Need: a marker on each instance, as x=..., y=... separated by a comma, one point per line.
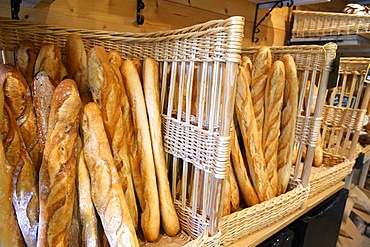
x=316, y=24
x=197, y=145
x=312, y=62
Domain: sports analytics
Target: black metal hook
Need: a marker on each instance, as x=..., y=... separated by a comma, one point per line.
x=139, y=16
x=15, y=8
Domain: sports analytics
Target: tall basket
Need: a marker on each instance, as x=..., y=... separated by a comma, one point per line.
x=198, y=68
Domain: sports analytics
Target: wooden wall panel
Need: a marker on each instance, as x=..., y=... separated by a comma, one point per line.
x=118, y=15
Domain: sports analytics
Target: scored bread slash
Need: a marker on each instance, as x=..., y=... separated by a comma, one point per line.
x=107, y=193
x=144, y=172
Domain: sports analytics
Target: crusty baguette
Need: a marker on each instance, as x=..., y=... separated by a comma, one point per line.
x=287, y=126
x=25, y=195
x=57, y=173
x=261, y=68
x=10, y=234
x=310, y=108
x=18, y=97
x=49, y=60
x=226, y=210
x=318, y=153
x=89, y=221
x=105, y=80
x=107, y=193
x=76, y=61
x=246, y=188
x=115, y=58
x=139, y=67
x=170, y=221
x=25, y=59
x=42, y=91
x=234, y=190
x=150, y=218
x=247, y=64
x=251, y=138
x=271, y=126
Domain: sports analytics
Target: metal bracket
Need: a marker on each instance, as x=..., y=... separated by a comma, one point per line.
x=139, y=17
x=278, y=4
x=15, y=6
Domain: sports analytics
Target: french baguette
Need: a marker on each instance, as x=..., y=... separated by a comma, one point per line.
x=107, y=193
x=10, y=234
x=226, y=210
x=234, y=190
x=25, y=59
x=287, y=126
x=318, y=153
x=18, y=97
x=147, y=184
x=49, y=60
x=261, y=68
x=169, y=218
x=25, y=181
x=271, y=127
x=251, y=138
x=58, y=169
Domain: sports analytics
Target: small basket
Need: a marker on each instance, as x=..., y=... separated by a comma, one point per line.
x=317, y=24
x=197, y=144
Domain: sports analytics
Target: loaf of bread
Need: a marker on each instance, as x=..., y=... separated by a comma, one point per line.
x=169, y=219
x=287, y=126
x=49, y=60
x=42, y=91
x=89, y=221
x=234, y=191
x=10, y=234
x=25, y=181
x=247, y=64
x=106, y=190
x=311, y=107
x=226, y=210
x=143, y=172
x=106, y=85
x=25, y=59
x=318, y=153
x=261, y=68
x=115, y=58
x=251, y=138
x=271, y=127
x=58, y=169
x=76, y=61
x=18, y=97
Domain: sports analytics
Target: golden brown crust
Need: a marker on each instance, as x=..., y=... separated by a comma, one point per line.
x=234, y=191
x=25, y=59
x=261, y=68
x=251, y=138
x=271, y=127
x=287, y=126
x=106, y=190
x=76, y=61
x=25, y=195
x=57, y=173
x=42, y=93
x=318, y=153
x=115, y=58
x=18, y=97
x=10, y=234
x=169, y=219
x=49, y=60
x=147, y=185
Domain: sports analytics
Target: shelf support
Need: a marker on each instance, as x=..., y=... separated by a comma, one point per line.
x=276, y=4
x=139, y=17
x=15, y=6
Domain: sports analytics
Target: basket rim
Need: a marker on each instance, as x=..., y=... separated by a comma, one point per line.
x=329, y=13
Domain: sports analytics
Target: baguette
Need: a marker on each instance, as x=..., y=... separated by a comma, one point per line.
x=271, y=127
x=226, y=210
x=247, y=64
x=287, y=126
x=49, y=60
x=261, y=68
x=311, y=108
x=246, y=188
x=89, y=221
x=107, y=89
x=57, y=173
x=42, y=91
x=76, y=61
x=115, y=58
x=251, y=138
x=145, y=170
x=107, y=193
x=169, y=217
x=25, y=59
x=10, y=234
x=318, y=153
x=25, y=195
x=18, y=97
x=234, y=190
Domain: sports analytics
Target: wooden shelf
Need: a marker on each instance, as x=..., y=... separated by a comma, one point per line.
x=258, y=237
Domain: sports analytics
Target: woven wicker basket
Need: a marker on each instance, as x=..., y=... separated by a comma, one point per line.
x=197, y=145
x=316, y=24
x=312, y=62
